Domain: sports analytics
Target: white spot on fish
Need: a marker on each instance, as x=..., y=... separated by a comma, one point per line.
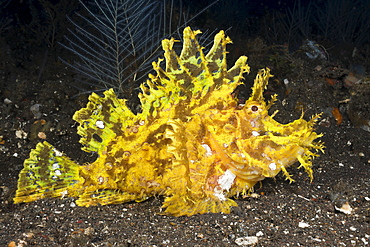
x=272, y=166
x=63, y=194
x=99, y=124
x=226, y=180
x=255, y=133
x=208, y=150
x=219, y=195
x=57, y=153
x=56, y=166
x=101, y=180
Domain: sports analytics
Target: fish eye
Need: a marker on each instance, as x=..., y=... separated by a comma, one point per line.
x=254, y=108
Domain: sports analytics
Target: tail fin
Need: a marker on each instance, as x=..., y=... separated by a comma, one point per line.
x=47, y=173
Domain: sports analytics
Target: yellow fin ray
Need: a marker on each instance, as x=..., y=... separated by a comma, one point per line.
x=47, y=173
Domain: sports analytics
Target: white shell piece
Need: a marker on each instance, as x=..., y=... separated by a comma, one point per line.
x=21, y=134
x=303, y=224
x=58, y=172
x=244, y=241
x=345, y=208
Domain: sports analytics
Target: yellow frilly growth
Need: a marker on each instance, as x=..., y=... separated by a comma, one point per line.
x=191, y=143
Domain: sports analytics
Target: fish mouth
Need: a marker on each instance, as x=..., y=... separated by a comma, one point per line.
x=250, y=174
x=268, y=163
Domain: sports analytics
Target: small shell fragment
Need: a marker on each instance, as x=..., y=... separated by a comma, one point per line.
x=21, y=134
x=41, y=135
x=346, y=208
x=303, y=224
x=252, y=240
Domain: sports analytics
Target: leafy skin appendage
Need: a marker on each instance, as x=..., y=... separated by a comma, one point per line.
x=192, y=142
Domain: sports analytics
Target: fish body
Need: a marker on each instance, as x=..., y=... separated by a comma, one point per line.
x=192, y=142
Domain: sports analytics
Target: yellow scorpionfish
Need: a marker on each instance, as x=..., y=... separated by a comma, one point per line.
x=192, y=142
